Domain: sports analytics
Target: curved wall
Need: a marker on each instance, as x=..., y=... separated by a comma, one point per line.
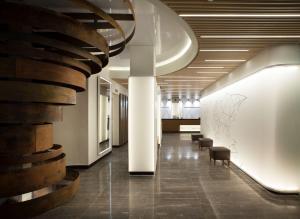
x=258, y=117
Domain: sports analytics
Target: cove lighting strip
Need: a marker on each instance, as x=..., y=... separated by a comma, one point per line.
x=208, y=67
x=177, y=85
x=249, y=36
x=186, y=77
x=258, y=15
x=162, y=63
x=224, y=50
x=116, y=68
x=225, y=60
x=184, y=88
x=177, y=56
x=212, y=72
x=188, y=80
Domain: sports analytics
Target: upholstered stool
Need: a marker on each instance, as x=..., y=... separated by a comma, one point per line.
x=205, y=142
x=219, y=153
x=195, y=137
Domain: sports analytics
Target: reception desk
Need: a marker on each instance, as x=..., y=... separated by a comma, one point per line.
x=180, y=125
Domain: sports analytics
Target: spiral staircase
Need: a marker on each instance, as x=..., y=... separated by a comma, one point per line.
x=46, y=56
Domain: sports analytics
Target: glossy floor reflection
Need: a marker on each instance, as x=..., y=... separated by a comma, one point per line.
x=185, y=186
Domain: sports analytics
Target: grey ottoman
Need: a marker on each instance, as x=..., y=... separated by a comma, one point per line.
x=205, y=143
x=195, y=137
x=219, y=153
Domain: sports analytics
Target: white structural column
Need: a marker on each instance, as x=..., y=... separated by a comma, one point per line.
x=142, y=139
x=142, y=113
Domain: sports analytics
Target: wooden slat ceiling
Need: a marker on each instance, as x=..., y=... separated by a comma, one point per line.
x=232, y=26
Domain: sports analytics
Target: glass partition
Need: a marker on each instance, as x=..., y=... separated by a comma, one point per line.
x=104, y=116
x=180, y=109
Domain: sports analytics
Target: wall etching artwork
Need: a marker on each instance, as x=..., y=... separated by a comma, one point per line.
x=223, y=111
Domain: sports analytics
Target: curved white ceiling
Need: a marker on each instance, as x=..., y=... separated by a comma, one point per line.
x=176, y=44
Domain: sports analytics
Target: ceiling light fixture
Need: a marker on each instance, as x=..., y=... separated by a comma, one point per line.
x=177, y=85
x=188, y=80
x=212, y=72
x=224, y=50
x=177, y=56
x=185, y=77
x=117, y=68
x=183, y=88
x=248, y=36
x=259, y=15
x=212, y=67
x=225, y=60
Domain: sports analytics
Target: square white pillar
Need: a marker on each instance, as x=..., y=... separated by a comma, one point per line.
x=142, y=136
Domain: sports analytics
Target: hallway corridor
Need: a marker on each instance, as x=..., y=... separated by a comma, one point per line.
x=186, y=186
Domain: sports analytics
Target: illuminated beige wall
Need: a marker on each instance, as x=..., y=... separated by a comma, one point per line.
x=258, y=118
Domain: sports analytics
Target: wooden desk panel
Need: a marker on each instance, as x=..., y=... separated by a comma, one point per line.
x=173, y=125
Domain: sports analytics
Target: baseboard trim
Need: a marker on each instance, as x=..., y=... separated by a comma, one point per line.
x=246, y=175
x=141, y=173
x=119, y=145
x=189, y=132
x=88, y=166
x=175, y=132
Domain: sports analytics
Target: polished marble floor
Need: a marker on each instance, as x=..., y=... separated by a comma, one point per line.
x=185, y=186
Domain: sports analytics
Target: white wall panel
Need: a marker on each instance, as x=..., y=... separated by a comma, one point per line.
x=258, y=118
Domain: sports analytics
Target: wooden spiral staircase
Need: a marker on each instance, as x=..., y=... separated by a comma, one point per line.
x=46, y=57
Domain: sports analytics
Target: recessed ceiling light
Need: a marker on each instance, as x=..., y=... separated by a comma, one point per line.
x=186, y=77
x=248, y=36
x=177, y=85
x=117, y=68
x=224, y=50
x=216, y=67
x=240, y=15
x=184, y=88
x=212, y=72
x=225, y=60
